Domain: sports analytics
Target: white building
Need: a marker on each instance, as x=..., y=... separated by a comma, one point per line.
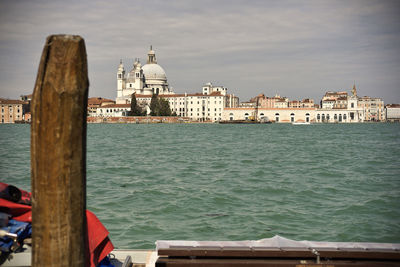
x=374, y=108
x=340, y=107
x=142, y=80
x=393, y=112
x=278, y=115
x=205, y=106
x=113, y=110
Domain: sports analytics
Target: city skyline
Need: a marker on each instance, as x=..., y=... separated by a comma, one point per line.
x=297, y=49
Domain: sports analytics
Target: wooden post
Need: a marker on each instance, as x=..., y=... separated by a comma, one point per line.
x=58, y=154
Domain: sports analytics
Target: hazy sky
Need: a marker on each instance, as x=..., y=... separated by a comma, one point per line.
x=297, y=49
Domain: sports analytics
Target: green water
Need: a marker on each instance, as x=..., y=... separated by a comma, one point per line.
x=234, y=182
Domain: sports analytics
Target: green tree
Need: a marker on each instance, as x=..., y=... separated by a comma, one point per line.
x=135, y=109
x=154, y=106
x=164, y=108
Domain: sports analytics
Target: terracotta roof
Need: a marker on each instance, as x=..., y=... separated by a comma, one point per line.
x=117, y=106
x=216, y=94
x=11, y=101
x=98, y=100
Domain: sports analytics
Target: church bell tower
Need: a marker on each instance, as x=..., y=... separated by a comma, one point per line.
x=120, y=79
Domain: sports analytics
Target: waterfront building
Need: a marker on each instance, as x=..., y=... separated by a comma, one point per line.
x=278, y=115
x=340, y=107
x=11, y=111
x=96, y=102
x=333, y=100
x=305, y=103
x=144, y=81
x=205, y=106
x=373, y=108
x=147, y=80
x=339, y=115
x=267, y=102
x=277, y=109
x=393, y=113
x=113, y=110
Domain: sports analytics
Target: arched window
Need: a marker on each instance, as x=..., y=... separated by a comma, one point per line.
x=307, y=117
x=335, y=117
x=231, y=116
x=318, y=116
x=292, y=117
x=344, y=117
x=246, y=116
x=323, y=117
x=327, y=117
x=340, y=117
x=277, y=117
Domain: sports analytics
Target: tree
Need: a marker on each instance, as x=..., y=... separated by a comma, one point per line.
x=135, y=109
x=164, y=108
x=154, y=106
x=159, y=106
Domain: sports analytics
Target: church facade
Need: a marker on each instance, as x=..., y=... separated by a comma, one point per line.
x=147, y=80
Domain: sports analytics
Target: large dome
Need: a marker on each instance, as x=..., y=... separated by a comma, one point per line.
x=154, y=72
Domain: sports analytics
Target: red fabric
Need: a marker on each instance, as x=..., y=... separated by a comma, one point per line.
x=19, y=212
x=99, y=243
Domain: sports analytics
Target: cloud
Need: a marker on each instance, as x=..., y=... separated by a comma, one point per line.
x=295, y=48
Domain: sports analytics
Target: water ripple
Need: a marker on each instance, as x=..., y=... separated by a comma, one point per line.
x=234, y=182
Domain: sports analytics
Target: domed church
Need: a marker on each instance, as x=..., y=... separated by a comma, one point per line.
x=143, y=80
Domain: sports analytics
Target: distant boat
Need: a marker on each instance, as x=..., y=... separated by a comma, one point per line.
x=301, y=123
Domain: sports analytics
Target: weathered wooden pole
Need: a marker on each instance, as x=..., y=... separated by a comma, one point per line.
x=58, y=154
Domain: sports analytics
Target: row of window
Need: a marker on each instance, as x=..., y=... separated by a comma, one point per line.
x=2, y=110
x=324, y=117
x=2, y=115
x=10, y=106
x=112, y=110
x=191, y=102
x=191, y=109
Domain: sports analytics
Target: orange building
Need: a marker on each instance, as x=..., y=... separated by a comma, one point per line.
x=11, y=111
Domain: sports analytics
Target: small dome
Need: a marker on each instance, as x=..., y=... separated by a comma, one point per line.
x=154, y=71
x=130, y=78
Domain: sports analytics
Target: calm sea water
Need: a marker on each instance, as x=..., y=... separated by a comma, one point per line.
x=234, y=182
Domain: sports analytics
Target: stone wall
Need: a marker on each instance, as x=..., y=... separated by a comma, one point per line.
x=138, y=119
